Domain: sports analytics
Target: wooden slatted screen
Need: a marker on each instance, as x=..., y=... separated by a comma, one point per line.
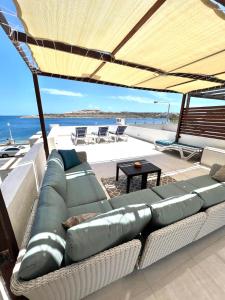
x=204, y=121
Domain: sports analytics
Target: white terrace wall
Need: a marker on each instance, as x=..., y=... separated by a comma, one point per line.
x=150, y=134
x=21, y=188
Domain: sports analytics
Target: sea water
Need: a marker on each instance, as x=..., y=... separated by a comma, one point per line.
x=23, y=128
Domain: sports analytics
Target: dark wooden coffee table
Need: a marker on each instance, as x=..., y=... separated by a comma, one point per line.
x=130, y=171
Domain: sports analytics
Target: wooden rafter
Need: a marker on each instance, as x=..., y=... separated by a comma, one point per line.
x=7, y=29
x=103, y=56
x=91, y=80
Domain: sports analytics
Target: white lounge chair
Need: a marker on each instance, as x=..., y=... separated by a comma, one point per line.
x=80, y=134
x=102, y=134
x=119, y=133
x=186, y=151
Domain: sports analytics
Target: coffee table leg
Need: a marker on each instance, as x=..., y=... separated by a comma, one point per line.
x=117, y=173
x=144, y=181
x=158, y=178
x=128, y=184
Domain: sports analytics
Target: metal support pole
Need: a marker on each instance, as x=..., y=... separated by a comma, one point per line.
x=41, y=115
x=180, y=117
x=168, y=113
x=8, y=246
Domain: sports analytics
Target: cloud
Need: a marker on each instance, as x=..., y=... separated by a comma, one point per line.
x=58, y=92
x=146, y=100
x=137, y=99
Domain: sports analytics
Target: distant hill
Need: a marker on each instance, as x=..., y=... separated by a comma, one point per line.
x=90, y=113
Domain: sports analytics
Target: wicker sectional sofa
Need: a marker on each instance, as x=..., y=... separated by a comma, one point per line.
x=181, y=213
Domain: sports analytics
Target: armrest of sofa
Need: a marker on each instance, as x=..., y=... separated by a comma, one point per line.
x=82, y=156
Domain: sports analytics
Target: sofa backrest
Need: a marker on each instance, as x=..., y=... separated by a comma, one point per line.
x=56, y=158
x=56, y=178
x=45, y=250
x=173, y=209
x=105, y=231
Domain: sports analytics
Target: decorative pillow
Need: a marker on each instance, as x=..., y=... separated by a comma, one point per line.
x=214, y=169
x=75, y=220
x=220, y=174
x=70, y=158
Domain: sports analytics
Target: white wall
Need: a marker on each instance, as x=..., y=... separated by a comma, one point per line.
x=201, y=141
x=150, y=134
x=21, y=188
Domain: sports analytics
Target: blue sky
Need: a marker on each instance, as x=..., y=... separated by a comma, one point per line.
x=17, y=92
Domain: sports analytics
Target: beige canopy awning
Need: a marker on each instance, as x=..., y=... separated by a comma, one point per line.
x=168, y=45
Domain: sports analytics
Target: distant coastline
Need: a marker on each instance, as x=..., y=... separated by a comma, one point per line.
x=104, y=115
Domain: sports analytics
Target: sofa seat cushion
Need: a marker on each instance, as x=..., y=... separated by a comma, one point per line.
x=80, y=170
x=45, y=250
x=201, y=181
x=171, y=210
x=106, y=231
x=82, y=190
x=168, y=190
x=140, y=197
x=98, y=207
x=55, y=177
x=211, y=194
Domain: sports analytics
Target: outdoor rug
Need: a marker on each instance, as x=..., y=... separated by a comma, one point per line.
x=117, y=188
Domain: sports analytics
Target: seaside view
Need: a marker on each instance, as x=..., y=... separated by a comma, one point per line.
x=23, y=128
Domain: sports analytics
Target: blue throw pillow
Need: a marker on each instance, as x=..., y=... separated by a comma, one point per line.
x=70, y=158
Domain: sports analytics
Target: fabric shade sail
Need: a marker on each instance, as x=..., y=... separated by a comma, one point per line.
x=170, y=36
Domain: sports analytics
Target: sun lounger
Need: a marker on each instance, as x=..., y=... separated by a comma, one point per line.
x=186, y=151
x=80, y=134
x=119, y=133
x=102, y=134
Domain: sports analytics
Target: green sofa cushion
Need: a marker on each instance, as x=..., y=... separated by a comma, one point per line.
x=106, y=231
x=202, y=181
x=56, y=158
x=82, y=169
x=82, y=190
x=56, y=178
x=99, y=207
x=168, y=190
x=211, y=194
x=70, y=158
x=140, y=197
x=46, y=247
x=171, y=210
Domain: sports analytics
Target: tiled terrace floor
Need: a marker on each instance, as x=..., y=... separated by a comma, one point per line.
x=194, y=272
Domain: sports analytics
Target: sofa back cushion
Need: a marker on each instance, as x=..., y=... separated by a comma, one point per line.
x=56, y=158
x=106, y=230
x=56, y=178
x=45, y=250
x=173, y=209
x=211, y=194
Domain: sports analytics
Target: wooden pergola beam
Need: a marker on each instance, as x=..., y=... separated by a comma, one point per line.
x=7, y=29
x=8, y=246
x=185, y=98
x=103, y=56
x=41, y=115
x=213, y=97
x=96, y=81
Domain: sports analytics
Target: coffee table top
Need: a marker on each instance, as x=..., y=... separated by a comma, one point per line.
x=128, y=167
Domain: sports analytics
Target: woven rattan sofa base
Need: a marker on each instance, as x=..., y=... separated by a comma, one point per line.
x=215, y=218
x=80, y=279
x=167, y=240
